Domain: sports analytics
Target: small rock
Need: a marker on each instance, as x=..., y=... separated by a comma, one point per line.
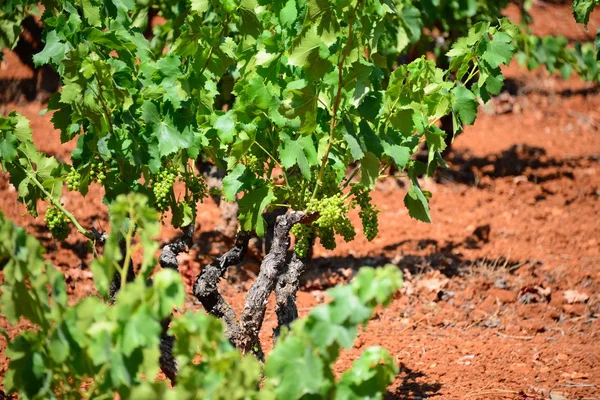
x=501, y=283
x=574, y=296
x=465, y=360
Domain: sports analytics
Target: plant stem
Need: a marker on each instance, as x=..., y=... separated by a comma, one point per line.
x=352, y=175
x=274, y=160
x=128, y=251
x=336, y=102
x=57, y=204
x=212, y=49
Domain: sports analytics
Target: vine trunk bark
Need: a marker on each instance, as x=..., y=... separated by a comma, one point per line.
x=206, y=286
x=271, y=268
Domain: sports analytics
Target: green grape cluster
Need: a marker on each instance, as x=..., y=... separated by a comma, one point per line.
x=73, y=179
x=162, y=186
x=303, y=234
x=196, y=188
x=332, y=219
x=329, y=183
x=57, y=222
x=367, y=213
x=295, y=192
x=98, y=171
x=255, y=165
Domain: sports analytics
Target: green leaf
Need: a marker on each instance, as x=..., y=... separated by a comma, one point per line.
x=354, y=146
x=170, y=139
x=464, y=104
x=289, y=13
x=305, y=45
x=398, y=153
x=252, y=206
x=8, y=147
x=369, y=167
x=416, y=203
x=235, y=181
x=296, y=370
x=199, y=6
x=225, y=126
x=91, y=12
x=299, y=152
x=499, y=50
x=369, y=376
x=54, y=50
x=582, y=10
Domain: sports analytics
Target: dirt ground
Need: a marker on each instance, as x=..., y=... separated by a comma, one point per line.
x=502, y=291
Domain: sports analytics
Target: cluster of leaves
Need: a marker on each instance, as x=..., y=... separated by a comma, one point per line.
x=93, y=350
x=33, y=173
x=556, y=54
x=435, y=26
x=313, y=87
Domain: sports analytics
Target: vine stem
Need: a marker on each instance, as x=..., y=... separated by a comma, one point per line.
x=274, y=160
x=336, y=102
x=212, y=49
x=57, y=204
x=128, y=251
x=349, y=179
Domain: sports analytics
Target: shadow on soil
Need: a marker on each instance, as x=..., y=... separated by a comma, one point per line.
x=411, y=386
x=329, y=271
x=45, y=80
x=522, y=159
x=518, y=87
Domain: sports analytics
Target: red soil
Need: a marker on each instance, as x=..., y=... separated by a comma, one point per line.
x=485, y=310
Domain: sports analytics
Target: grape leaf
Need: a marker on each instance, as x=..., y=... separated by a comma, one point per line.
x=464, y=104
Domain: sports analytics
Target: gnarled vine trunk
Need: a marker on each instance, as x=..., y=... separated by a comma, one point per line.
x=168, y=259
x=286, y=289
x=271, y=268
x=206, y=286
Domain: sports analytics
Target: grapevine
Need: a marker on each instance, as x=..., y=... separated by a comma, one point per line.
x=317, y=87
x=329, y=183
x=57, y=222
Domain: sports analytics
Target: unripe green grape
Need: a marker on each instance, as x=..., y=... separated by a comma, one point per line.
x=367, y=213
x=98, y=171
x=332, y=219
x=255, y=165
x=327, y=237
x=329, y=183
x=73, y=180
x=163, y=185
x=57, y=222
x=303, y=234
